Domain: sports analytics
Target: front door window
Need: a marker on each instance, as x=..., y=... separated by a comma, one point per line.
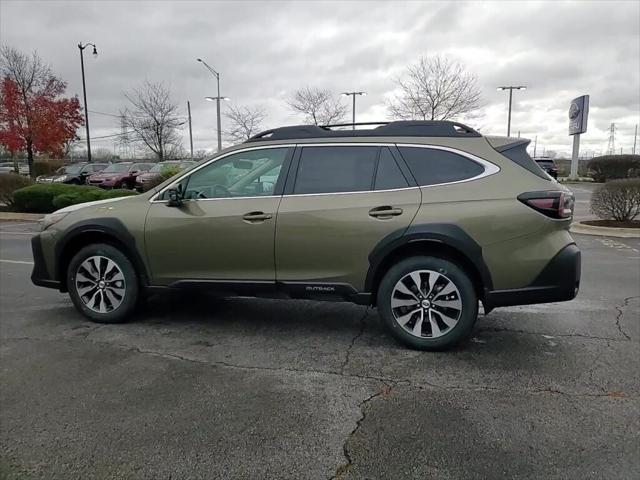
x=245, y=174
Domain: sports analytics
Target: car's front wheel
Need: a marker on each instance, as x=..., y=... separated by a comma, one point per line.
x=427, y=303
x=102, y=283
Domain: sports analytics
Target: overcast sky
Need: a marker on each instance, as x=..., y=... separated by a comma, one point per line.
x=266, y=50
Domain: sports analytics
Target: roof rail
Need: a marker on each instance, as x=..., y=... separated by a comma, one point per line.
x=404, y=128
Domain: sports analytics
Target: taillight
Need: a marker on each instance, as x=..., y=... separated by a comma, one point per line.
x=553, y=204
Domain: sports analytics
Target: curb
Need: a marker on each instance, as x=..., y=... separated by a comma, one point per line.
x=579, y=227
x=29, y=217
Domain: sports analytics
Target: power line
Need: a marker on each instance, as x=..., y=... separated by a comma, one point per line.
x=106, y=114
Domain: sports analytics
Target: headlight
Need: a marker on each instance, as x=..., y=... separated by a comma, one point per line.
x=60, y=179
x=52, y=219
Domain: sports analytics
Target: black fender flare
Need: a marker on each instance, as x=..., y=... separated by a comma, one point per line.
x=446, y=234
x=111, y=227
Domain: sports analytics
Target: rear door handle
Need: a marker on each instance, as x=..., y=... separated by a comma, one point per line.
x=255, y=217
x=385, y=212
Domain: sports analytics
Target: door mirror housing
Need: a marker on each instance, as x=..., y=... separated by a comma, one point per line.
x=174, y=197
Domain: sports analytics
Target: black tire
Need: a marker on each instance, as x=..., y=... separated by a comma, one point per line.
x=130, y=286
x=455, y=275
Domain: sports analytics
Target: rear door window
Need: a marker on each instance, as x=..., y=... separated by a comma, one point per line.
x=432, y=166
x=336, y=169
x=389, y=175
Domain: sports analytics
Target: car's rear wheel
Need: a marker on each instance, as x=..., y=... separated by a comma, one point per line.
x=102, y=283
x=427, y=303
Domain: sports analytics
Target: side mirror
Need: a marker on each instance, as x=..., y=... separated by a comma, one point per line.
x=174, y=197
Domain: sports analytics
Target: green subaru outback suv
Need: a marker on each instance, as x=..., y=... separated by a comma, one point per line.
x=422, y=219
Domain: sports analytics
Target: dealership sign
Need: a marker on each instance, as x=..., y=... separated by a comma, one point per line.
x=578, y=114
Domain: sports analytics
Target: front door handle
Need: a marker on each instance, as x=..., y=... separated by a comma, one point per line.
x=385, y=212
x=256, y=217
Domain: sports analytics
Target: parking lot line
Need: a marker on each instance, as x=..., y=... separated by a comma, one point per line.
x=19, y=262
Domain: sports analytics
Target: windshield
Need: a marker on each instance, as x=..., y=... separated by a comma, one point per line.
x=69, y=169
x=117, y=168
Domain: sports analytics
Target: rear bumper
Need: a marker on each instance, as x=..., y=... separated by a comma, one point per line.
x=558, y=282
x=40, y=276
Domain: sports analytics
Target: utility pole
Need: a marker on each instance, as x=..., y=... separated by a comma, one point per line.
x=635, y=139
x=535, y=146
x=84, y=93
x=611, y=147
x=216, y=99
x=190, y=131
x=353, y=94
x=511, y=89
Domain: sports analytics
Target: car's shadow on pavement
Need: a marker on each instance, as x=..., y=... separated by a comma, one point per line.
x=356, y=326
x=337, y=338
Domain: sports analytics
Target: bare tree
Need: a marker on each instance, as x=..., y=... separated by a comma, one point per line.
x=153, y=118
x=436, y=88
x=244, y=122
x=319, y=106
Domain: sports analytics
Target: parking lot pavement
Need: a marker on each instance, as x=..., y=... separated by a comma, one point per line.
x=198, y=387
x=582, y=193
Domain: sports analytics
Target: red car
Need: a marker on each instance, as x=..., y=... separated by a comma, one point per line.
x=119, y=175
x=156, y=171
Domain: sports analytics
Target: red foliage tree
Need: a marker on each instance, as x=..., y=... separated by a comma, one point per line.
x=34, y=117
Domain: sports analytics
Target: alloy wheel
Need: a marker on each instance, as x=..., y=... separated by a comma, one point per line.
x=100, y=284
x=426, y=304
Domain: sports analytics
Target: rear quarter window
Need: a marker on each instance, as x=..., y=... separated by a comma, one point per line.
x=432, y=166
x=518, y=154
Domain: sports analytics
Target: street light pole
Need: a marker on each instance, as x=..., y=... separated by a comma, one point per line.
x=84, y=93
x=218, y=98
x=353, y=94
x=511, y=89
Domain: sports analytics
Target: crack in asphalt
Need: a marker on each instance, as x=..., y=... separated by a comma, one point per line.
x=619, y=308
x=388, y=384
x=344, y=467
x=422, y=385
x=363, y=325
x=559, y=335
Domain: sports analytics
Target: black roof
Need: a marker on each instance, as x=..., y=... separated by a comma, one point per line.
x=405, y=128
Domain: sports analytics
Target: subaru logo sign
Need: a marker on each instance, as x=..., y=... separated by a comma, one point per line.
x=578, y=114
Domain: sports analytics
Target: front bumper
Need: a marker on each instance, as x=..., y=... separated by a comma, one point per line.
x=40, y=275
x=558, y=282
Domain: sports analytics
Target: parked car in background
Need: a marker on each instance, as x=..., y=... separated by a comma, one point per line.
x=548, y=165
x=8, y=167
x=119, y=175
x=156, y=171
x=74, y=174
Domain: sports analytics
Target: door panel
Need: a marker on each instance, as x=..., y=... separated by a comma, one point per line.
x=210, y=239
x=225, y=227
x=328, y=237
